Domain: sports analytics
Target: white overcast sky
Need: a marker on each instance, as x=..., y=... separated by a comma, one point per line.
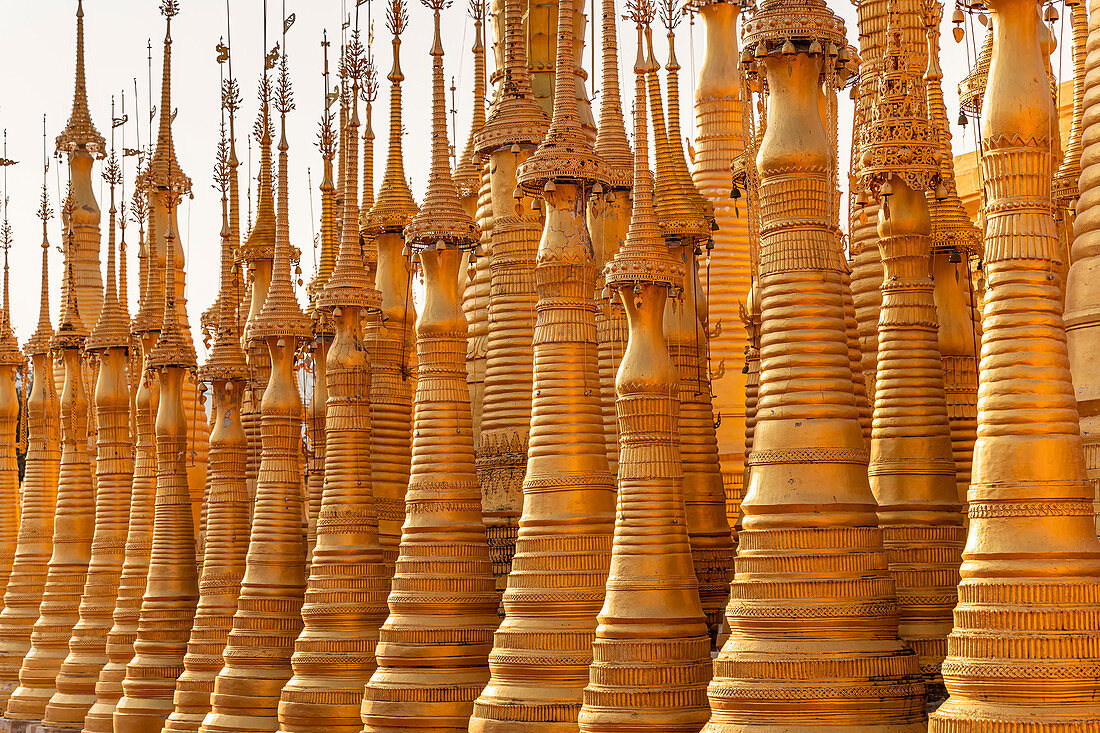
x=37, y=56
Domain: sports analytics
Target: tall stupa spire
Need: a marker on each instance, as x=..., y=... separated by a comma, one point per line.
x=433, y=649
x=226, y=510
x=543, y=648
x=656, y=630
x=911, y=466
x=516, y=125
x=34, y=546
x=391, y=341
x=269, y=609
x=13, y=375
x=348, y=580
x=109, y=343
x=685, y=219
x=171, y=594
x=608, y=221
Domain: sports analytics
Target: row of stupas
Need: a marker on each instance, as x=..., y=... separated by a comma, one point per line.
x=563, y=489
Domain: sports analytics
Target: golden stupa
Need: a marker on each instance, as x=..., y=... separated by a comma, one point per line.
x=531, y=396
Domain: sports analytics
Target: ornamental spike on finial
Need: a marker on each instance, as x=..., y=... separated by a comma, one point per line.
x=9, y=345
x=441, y=221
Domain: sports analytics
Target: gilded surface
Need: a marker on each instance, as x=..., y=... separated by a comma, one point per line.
x=810, y=547
x=1032, y=555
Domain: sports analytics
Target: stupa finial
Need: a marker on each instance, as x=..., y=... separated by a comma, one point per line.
x=395, y=207
x=80, y=132
x=112, y=329
x=227, y=359
x=281, y=316
x=611, y=142
x=70, y=330
x=517, y=118
x=349, y=286
x=441, y=221
x=565, y=154
x=644, y=257
x=163, y=170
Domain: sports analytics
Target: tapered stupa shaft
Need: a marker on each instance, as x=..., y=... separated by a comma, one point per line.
x=651, y=655
x=73, y=521
x=165, y=183
x=393, y=379
x=912, y=470
x=1028, y=462
x=322, y=322
x=1082, y=316
x=227, y=504
x=685, y=224
x=608, y=220
x=810, y=546
x=269, y=609
x=171, y=591
x=13, y=373
x=345, y=598
x=139, y=541
x=514, y=128
x=720, y=139
x=432, y=650
x=256, y=254
x=865, y=258
x=955, y=241
x=109, y=342
x=542, y=649
x=33, y=548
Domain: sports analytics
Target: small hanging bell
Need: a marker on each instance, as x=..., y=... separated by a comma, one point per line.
x=962, y=118
x=954, y=257
x=788, y=48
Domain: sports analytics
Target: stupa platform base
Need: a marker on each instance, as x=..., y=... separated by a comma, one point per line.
x=8, y=725
x=43, y=728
